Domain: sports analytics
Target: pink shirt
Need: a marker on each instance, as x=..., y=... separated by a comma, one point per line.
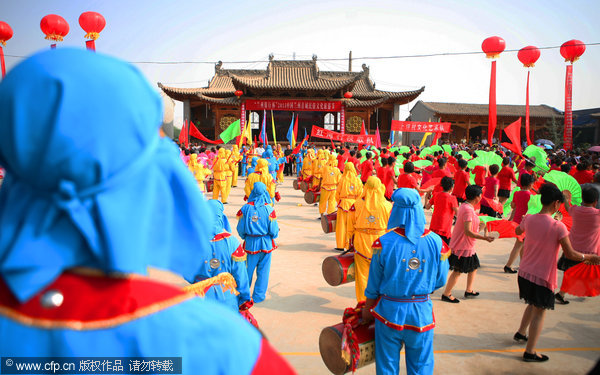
x=540, y=250
x=521, y=199
x=585, y=232
x=461, y=245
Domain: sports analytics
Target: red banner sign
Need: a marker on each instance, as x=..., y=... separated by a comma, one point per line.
x=343, y=119
x=348, y=138
x=418, y=126
x=294, y=105
x=568, y=134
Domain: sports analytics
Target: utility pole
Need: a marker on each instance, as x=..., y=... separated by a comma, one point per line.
x=350, y=61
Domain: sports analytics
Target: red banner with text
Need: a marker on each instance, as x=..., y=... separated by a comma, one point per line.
x=294, y=105
x=568, y=134
x=348, y=138
x=420, y=126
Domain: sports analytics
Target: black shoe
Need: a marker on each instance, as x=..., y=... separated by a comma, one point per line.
x=338, y=249
x=534, y=357
x=471, y=294
x=447, y=299
x=560, y=299
x=507, y=269
x=519, y=337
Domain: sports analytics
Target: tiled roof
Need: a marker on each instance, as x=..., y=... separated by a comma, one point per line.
x=292, y=76
x=482, y=109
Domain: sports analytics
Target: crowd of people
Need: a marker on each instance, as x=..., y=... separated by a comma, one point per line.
x=109, y=207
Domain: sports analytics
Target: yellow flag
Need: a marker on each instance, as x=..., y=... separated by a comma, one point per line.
x=424, y=138
x=273, y=126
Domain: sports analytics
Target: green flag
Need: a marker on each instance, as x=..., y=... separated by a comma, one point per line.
x=231, y=132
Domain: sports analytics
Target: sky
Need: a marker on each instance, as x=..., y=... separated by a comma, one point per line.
x=202, y=32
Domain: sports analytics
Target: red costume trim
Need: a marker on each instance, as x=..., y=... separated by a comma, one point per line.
x=401, y=327
x=270, y=362
x=239, y=255
x=220, y=236
x=92, y=301
x=352, y=208
x=272, y=215
x=239, y=213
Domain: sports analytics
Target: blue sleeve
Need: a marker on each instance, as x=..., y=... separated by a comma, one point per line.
x=442, y=269
x=375, y=276
x=240, y=274
x=241, y=225
x=273, y=227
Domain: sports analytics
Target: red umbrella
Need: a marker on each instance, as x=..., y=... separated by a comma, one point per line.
x=582, y=280
x=594, y=149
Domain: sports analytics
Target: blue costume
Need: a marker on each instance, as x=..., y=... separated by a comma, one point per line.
x=244, y=161
x=258, y=228
x=227, y=256
x=76, y=241
x=299, y=160
x=252, y=167
x=407, y=266
x=273, y=162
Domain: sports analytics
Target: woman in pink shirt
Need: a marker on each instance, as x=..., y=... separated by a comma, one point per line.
x=585, y=232
x=537, y=273
x=519, y=207
x=463, y=258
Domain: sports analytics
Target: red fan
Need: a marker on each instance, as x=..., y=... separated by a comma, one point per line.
x=566, y=218
x=431, y=182
x=582, y=280
x=505, y=228
x=495, y=205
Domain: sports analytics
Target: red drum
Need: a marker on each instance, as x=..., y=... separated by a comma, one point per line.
x=296, y=185
x=330, y=347
x=339, y=269
x=305, y=184
x=328, y=222
x=311, y=197
x=210, y=184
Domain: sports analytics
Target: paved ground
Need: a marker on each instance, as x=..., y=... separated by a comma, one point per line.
x=472, y=337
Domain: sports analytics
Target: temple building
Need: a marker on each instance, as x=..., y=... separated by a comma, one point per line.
x=335, y=100
x=470, y=121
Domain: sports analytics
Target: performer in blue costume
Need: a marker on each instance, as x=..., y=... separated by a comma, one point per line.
x=258, y=228
x=228, y=261
x=407, y=265
x=244, y=162
x=299, y=160
x=273, y=163
x=252, y=167
x=92, y=197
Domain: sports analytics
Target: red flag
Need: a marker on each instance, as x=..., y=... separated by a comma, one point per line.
x=296, y=127
x=513, y=132
x=299, y=145
x=183, y=136
x=529, y=143
x=492, y=105
x=505, y=228
x=377, y=138
x=194, y=132
x=435, y=138
x=363, y=130
x=332, y=145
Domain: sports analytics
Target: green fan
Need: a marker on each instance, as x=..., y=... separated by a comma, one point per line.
x=565, y=182
x=465, y=155
x=535, y=204
x=485, y=159
x=403, y=149
x=398, y=165
x=509, y=201
x=486, y=219
x=422, y=163
x=538, y=156
x=436, y=148
x=426, y=151
x=393, y=149
x=447, y=148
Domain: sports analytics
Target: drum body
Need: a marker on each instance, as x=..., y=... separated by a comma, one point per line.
x=328, y=222
x=330, y=347
x=210, y=184
x=339, y=269
x=296, y=185
x=311, y=196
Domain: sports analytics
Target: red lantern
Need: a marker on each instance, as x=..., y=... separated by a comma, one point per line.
x=528, y=56
x=493, y=46
x=55, y=27
x=347, y=95
x=572, y=50
x=239, y=93
x=5, y=32
x=92, y=23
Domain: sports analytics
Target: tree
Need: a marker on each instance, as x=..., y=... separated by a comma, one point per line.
x=555, y=132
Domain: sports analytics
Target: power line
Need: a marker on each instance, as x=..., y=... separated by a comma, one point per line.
x=334, y=59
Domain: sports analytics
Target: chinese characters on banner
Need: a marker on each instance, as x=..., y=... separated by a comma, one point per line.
x=568, y=134
x=343, y=119
x=242, y=116
x=349, y=138
x=418, y=126
x=294, y=105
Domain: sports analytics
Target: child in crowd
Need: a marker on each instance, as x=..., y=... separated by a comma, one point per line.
x=537, y=273
x=445, y=207
x=519, y=207
x=463, y=258
x=461, y=180
x=506, y=177
x=490, y=192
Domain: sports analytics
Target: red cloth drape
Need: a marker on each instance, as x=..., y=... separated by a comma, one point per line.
x=492, y=105
x=90, y=45
x=2, y=62
x=568, y=134
x=527, y=113
x=194, y=132
x=513, y=132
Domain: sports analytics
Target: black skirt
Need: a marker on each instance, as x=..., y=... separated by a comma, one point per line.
x=504, y=193
x=485, y=210
x=536, y=295
x=464, y=264
x=565, y=263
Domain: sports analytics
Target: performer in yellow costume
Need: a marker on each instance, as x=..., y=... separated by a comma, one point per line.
x=228, y=175
x=261, y=174
x=278, y=153
x=348, y=190
x=368, y=221
x=199, y=171
x=236, y=157
x=220, y=176
x=330, y=179
x=307, y=165
x=317, y=168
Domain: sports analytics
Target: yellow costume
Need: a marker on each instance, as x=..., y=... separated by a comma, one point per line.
x=262, y=174
x=307, y=164
x=368, y=221
x=228, y=174
x=317, y=168
x=348, y=190
x=331, y=177
x=220, y=176
x=278, y=153
x=236, y=157
x=198, y=171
